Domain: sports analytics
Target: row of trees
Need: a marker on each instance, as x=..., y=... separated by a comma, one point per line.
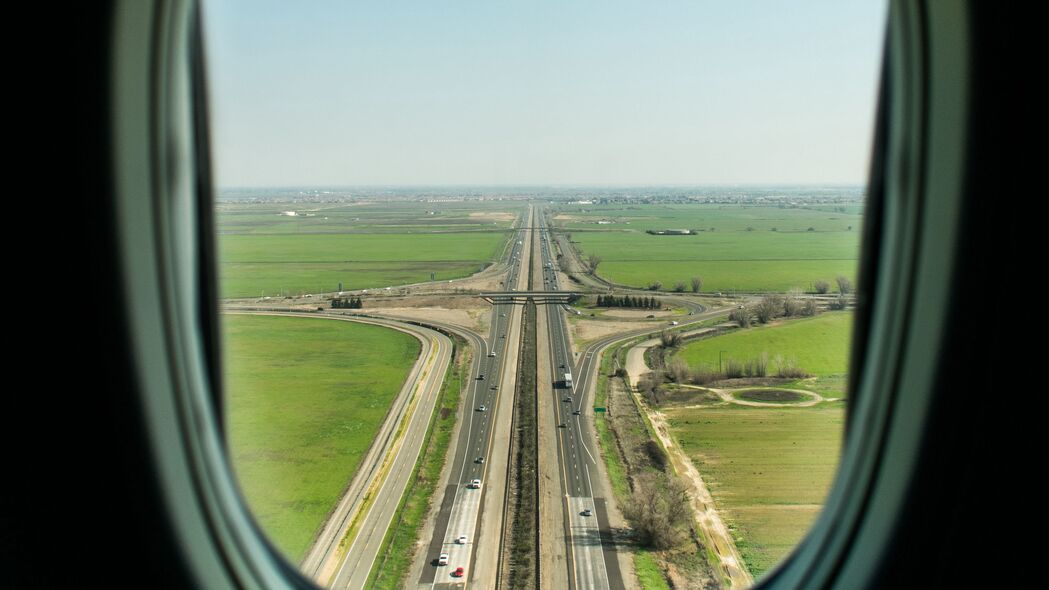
x=695, y=283
x=823, y=287
x=347, y=303
x=628, y=301
x=774, y=306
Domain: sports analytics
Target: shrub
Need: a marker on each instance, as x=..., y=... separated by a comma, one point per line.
x=791, y=305
x=741, y=316
x=789, y=369
x=822, y=287
x=809, y=308
x=660, y=515
x=670, y=339
x=844, y=285
x=656, y=454
x=679, y=371
x=768, y=308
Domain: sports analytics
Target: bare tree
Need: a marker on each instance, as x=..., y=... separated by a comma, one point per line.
x=697, y=284
x=655, y=286
x=740, y=315
x=791, y=303
x=593, y=260
x=679, y=287
x=659, y=513
x=822, y=287
x=809, y=308
x=839, y=303
x=670, y=339
x=768, y=308
x=650, y=386
x=844, y=285
x=679, y=371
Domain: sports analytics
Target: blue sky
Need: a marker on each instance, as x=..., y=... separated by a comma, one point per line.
x=326, y=93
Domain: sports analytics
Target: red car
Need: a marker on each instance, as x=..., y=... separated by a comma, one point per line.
x=458, y=573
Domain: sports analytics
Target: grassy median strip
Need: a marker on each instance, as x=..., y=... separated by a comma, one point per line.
x=521, y=532
x=399, y=545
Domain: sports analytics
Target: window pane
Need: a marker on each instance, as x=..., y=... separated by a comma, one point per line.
x=553, y=292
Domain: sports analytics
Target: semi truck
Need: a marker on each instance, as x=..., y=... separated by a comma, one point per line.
x=568, y=381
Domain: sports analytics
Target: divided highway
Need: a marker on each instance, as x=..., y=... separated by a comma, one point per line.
x=468, y=527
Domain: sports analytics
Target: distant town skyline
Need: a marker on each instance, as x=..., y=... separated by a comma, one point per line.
x=492, y=94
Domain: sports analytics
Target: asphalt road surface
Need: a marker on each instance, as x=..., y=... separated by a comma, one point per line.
x=587, y=563
x=462, y=506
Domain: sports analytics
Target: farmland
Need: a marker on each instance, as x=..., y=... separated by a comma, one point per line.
x=735, y=247
x=305, y=398
x=768, y=470
x=819, y=345
x=362, y=245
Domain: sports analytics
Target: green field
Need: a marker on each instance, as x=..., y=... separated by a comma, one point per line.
x=362, y=246
x=305, y=397
x=819, y=345
x=768, y=470
x=738, y=248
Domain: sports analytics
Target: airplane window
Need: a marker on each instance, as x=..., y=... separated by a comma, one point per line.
x=545, y=294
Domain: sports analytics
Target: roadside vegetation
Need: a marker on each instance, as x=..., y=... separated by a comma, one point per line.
x=305, y=398
x=667, y=552
x=400, y=544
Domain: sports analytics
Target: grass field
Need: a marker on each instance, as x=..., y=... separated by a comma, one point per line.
x=305, y=398
x=362, y=246
x=768, y=470
x=738, y=248
x=820, y=345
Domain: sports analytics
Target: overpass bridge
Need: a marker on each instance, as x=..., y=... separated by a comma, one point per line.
x=520, y=297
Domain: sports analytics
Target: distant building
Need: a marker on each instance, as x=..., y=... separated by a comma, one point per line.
x=288, y=213
x=671, y=232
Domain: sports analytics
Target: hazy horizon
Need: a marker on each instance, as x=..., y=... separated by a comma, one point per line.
x=585, y=93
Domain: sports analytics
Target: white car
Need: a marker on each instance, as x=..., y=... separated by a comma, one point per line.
x=483, y=408
x=475, y=484
x=461, y=540
x=491, y=353
x=443, y=559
